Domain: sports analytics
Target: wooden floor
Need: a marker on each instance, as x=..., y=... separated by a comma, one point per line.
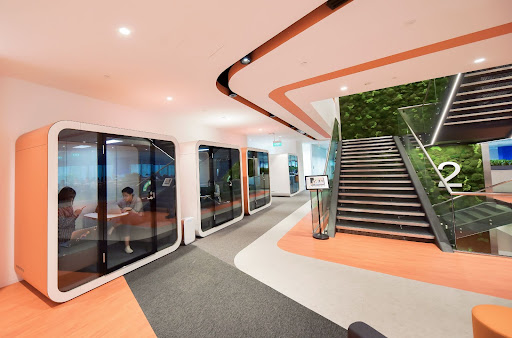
x=110, y=310
x=424, y=262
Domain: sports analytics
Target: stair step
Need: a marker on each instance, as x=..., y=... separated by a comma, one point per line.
x=481, y=91
x=473, y=107
x=380, y=220
x=487, y=98
x=362, y=194
x=490, y=119
x=390, y=151
x=343, y=150
x=355, y=140
x=377, y=176
x=484, y=82
x=384, y=212
x=373, y=165
x=396, y=204
x=490, y=112
x=359, y=145
x=487, y=71
x=411, y=233
x=372, y=156
x=371, y=170
x=376, y=188
x=375, y=181
x=370, y=161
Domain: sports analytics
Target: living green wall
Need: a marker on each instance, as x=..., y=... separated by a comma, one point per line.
x=375, y=113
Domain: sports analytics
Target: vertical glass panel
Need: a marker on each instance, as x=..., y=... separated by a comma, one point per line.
x=164, y=193
x=129, y=229
x=236, y=183
x=266, y=175
x=223, y=186
x=78, y=239
x=252, y=174
x=294, y=173
x=206, y=186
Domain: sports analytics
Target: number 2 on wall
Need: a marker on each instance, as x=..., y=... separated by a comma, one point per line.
x=451, y=176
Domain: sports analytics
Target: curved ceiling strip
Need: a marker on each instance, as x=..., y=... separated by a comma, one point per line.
x=298, y=27
x=279, y=94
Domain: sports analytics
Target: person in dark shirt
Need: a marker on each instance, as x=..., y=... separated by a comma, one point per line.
x=67, y=215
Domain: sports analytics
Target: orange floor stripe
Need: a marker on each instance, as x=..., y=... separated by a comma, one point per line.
x=489, y=275
x=110, y=310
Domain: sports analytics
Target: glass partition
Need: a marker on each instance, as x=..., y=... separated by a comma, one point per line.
x=117, y=202
x=258, y=179
x=220, y=185
x=293, y=167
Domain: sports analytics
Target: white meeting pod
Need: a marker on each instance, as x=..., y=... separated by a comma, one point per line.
x=256, y=179
x=285, y=175
x=212, y=185
x=107, y=203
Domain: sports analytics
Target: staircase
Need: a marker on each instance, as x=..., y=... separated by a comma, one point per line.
x=376, y=194
x=482, y=108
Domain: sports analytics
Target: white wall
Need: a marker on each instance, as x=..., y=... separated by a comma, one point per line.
x=26, y=106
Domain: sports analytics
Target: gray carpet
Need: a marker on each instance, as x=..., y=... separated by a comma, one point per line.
x=191, y=293
x=228, y=242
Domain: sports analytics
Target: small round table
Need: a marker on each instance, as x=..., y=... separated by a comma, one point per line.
x=492, y=321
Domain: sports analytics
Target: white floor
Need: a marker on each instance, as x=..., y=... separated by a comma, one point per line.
x=395, y=306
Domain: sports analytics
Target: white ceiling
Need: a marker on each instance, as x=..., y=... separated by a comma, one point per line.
x=367, y=30
x=178, y=49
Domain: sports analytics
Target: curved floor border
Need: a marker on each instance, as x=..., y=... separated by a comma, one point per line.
x=398, y=307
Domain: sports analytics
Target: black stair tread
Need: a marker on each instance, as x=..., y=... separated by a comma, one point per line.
x=377, y=175
x=367, y=139
x=383, y=220
x=390, y=143
x=372, y=160
x=479, y=120
x=357, y=149
x=372, y=156
x=371, y=152
x=485, y=98
x=482, y=106
x=372, y=170
x=488, y=71
x=486, y=90
x=483, y=113
x=382, y=211
x=413, y=232
x=373, y=165
x=377, y=195
x=385, y=203
x=485, y=82
x=358, y=187
x=376, y=181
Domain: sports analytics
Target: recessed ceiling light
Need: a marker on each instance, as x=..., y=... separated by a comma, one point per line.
x=480, y=60
x=169, y=98
x=260, y=129
x=125, y=31
x=343, y=88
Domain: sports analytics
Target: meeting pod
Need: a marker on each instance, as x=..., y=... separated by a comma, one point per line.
x=256, y=179
x=92, y=203
x=285, y=174
x=212, y=189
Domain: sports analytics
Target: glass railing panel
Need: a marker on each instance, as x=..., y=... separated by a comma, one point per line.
x=483, y=220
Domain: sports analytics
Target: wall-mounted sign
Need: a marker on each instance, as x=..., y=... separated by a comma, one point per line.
x=451, y=176
x=277, y=144
x=317, y=182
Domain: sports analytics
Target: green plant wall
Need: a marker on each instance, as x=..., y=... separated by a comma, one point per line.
x=375, y=113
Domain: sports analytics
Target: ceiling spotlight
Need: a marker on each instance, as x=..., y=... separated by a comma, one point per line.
x=260, y=129
x=246, y=59
x=169, y=98
x=343, y=88
x=125, y=31
x=232, y=95
x=480, y=60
